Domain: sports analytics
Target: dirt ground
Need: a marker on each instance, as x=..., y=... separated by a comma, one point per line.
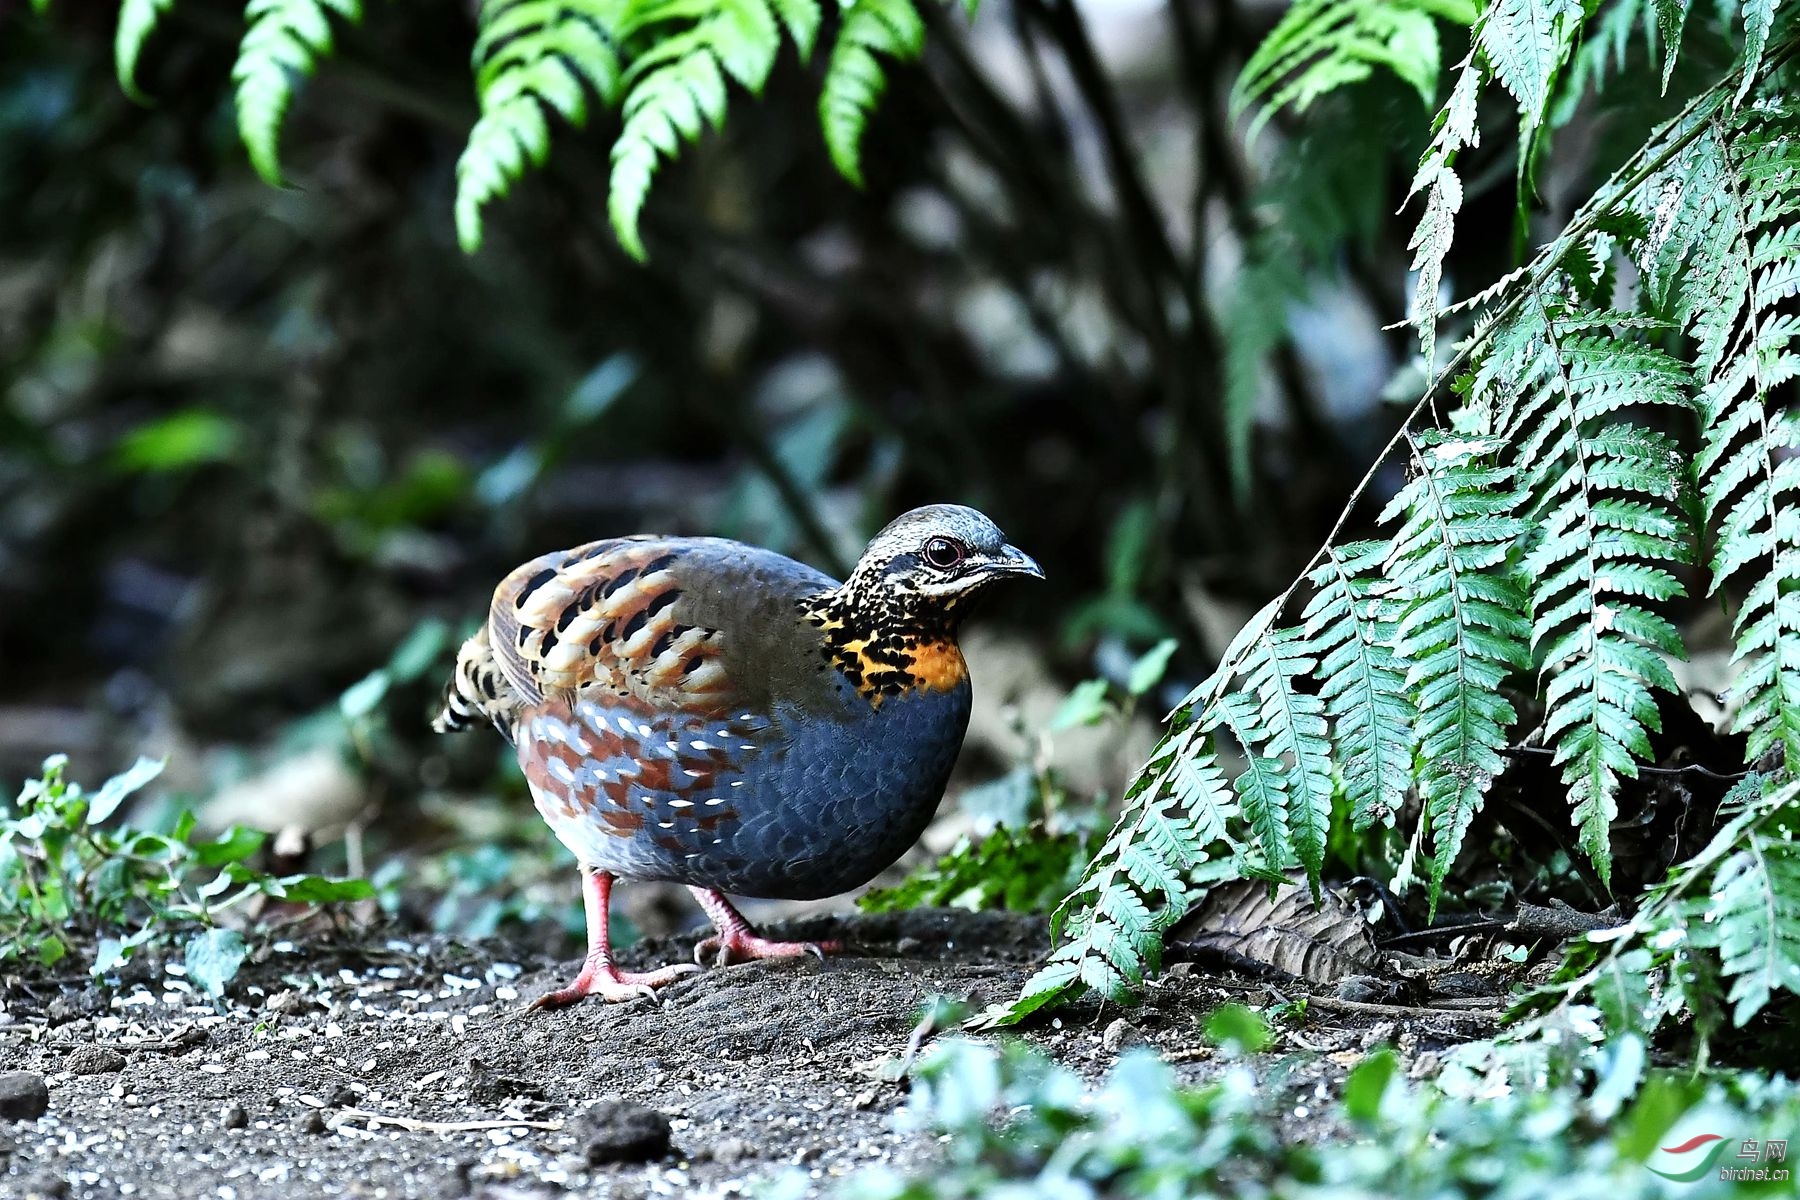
x=412, y=1068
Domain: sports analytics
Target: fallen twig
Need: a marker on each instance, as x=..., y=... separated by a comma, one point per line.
x=1333, y=1004
x=415, y=1125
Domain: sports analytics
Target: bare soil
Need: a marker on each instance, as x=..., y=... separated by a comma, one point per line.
x=398, y=1068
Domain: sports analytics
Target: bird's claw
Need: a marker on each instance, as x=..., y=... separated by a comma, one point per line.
x=611, y=985
x=748, y=947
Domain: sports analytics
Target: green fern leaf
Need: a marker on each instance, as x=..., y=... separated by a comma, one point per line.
x=1671, y=21
x=1319, y=46
x=1759, y=18
x=530, y=56
x=1460, y=632
x=1723, y=264
x=138, y=19
x=1605, y=514
x=801, y=19
x=1349, y=623
x=676, y=90
x=1436, y=178
x=1525, y=43
x=1752, y=914
x=1287, y=786
x=283, y=43
x=855, y=77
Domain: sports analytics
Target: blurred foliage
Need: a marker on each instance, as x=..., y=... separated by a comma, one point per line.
x=1016, y=1124
x=262, y=428
x=71, y=881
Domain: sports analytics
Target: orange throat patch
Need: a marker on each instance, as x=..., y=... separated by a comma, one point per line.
x=937, y=666
x=881, y=656
x=880, y=668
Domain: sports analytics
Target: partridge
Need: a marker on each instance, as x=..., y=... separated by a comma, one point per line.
x=718, y=715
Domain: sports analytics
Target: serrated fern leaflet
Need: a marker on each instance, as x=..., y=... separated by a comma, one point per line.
x=283, y=43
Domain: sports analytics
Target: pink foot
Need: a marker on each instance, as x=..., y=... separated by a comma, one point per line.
x=736, y=940
x=736, y=946
x=599, y=977
x=602, y=979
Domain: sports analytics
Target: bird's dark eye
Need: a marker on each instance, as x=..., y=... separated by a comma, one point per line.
x=943, y=553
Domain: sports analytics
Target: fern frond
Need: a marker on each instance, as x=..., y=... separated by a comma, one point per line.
x=1759, y=18
x=1460, y=632
x=1671, y=21
x=1319, y=46
x=855, y=77
x=1453, y=132
x=1283, y=730
x=1525, y=43
x=138, y=19
x=1752, y=913
x=676, y=90
x=283, y=43
x=1724, y=264
x=1350, y=625
x=1111, y=925
x=1178, y=810
x=530, y=56
x=1604, y=505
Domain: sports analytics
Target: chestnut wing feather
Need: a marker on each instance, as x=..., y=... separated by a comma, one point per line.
x=607, y=619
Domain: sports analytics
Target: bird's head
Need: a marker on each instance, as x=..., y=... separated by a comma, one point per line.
x=942, y=554
x=919, y=575
x=891, y=627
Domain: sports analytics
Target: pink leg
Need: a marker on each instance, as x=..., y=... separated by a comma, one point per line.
x=599, y=977
x=737, y=940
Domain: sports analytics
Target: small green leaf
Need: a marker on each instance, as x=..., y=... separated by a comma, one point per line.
x=213, y=957
x=1149, y=670
x=110, y=955
x=50, y=950
x=114, y=791
x=317, y=889
x=1088, y=704
x=1367, y=1084
x=1236, y=1028
x=363, y=697
x=186, y=439
x=137, y=21
x=234, y=845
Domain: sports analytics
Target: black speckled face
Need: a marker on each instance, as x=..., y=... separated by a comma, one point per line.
x=892, y=625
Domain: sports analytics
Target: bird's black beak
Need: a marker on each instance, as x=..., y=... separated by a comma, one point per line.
x=1013, y=561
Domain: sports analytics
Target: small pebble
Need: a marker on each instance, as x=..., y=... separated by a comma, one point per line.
x=94, y=1060
x=234, y=1117
x=619, y=1131
x=312, y=1121
x=342, y=1096
x=730, y=1152
x=23, y=1096
x=1120, y=1034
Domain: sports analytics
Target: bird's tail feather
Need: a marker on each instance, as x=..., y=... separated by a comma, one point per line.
x=477, y=693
